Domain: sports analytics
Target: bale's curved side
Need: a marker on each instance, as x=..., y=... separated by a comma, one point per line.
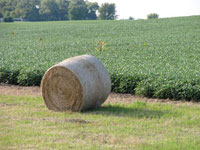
x=98, y=86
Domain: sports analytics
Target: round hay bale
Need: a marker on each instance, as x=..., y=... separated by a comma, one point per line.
x=78, y=83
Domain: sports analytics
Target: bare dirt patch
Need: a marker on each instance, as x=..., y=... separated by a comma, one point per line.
x=15, y=90
x=34, y=91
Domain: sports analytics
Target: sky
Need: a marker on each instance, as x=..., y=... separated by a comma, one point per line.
x=139, y=9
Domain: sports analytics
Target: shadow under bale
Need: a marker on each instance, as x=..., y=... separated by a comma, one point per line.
x=133, y=110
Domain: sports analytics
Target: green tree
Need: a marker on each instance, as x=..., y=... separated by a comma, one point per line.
x=54, y=9
x=107, y=11
x=78, y=10
x=27, y=10
x=130, y=18
x=152, y=16
x=92, y=9
x=8, y=19
x=49, y=10
x=35, y=10
x=63, y=9
x=1, y=15
x=7, y=6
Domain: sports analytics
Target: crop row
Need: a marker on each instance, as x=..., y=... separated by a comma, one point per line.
x=154, y=58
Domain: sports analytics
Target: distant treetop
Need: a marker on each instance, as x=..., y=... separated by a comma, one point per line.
x=52, y=10
x=107, y=11
x=152, y=16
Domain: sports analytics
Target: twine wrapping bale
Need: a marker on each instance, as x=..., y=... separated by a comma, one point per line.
x=78, y=83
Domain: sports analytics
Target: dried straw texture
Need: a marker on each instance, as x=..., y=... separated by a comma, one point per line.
x=76, y=84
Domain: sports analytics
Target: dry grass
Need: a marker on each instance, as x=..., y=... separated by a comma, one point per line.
x=26, y=123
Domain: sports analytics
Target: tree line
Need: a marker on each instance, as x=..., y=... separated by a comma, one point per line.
x=53, y=10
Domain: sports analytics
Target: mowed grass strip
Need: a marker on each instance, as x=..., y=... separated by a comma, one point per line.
x=26, y=123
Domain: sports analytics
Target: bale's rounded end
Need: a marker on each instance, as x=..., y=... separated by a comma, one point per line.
x=61, y=89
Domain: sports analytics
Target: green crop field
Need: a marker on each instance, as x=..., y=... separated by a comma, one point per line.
x=155, y=58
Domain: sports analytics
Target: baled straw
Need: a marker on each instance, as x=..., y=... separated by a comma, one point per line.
x=76, y=84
